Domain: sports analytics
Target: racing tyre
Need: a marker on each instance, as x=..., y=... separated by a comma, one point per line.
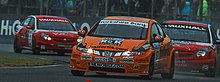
x=77, y=73
x=34, y=49
x=17, y=48
x=151, y=69
x=212, y=72
x=170, y=75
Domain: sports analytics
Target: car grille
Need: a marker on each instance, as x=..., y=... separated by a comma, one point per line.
x=185, y=55
x=108, y=53
x=107, y=69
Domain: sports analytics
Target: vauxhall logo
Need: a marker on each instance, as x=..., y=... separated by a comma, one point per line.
x=185, y=27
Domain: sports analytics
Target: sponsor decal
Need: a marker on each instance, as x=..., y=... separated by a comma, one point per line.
x=185, y=27
x=181, y=63
x=112, y=41
x=110, y=47
x=157, y=54
x=107, y=53
x=52, y=20
x=127, y=61
x=84, y=57
x=105, y=59
x=105, y=65
x=128, y=57
x=120, y=22
x=30, y=37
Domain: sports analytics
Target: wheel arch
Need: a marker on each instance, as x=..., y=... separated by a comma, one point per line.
x=171, y=55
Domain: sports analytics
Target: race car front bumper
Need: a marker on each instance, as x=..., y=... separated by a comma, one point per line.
x=115, y=65
x=195, y=65
x=55, y=46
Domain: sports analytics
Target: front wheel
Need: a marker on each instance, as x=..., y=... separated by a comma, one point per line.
x=34, y=48
x=17, y=48
x=150, y=70
x=170, y=75
x=77, y=73
x=212, y=72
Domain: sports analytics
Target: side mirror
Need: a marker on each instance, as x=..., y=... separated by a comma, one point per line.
x=158, y=38
x=78, y=29
x=17, y=27
x=82, y=33
x=30, y=27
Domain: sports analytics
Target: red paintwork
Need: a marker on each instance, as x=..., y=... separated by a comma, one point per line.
x=185, y=58
x=58, y=37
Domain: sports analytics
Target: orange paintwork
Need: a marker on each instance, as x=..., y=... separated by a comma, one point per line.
x=140, y=66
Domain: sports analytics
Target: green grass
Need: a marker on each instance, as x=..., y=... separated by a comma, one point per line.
x=21, y=61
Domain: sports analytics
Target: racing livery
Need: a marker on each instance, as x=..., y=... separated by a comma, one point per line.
x=125, y=45
x=195, y=45
x=45, y=33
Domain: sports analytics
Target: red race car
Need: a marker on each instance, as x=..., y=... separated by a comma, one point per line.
x=196, y=46
x=45, y=33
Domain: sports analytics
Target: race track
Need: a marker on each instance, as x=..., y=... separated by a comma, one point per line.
x=61, y=72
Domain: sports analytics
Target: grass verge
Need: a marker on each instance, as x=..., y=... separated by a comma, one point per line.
x=21, y=61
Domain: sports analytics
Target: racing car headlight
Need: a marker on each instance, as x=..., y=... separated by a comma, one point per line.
x=46, y=36
x=139, y=51
x=80, y=39
x=80, y=47
x=202, y=52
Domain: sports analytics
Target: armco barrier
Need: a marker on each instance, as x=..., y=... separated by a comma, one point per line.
x=9, y=22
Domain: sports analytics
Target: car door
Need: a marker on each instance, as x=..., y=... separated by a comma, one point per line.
x=157, y=45
x=24, y=32
x=30, y=31
x=164, y=48
x=216, y=44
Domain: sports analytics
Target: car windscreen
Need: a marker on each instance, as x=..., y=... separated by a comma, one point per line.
x=60, y=26
x=120, y=29
x=187, y=33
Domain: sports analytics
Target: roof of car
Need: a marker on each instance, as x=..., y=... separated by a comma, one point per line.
x=47, y=16
x=127, y=18
x=200, y=24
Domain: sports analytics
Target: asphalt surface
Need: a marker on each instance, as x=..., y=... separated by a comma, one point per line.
x=61, y=73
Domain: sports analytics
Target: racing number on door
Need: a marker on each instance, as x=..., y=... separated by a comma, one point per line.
x=31, y=31
x=30, y=38
x=157, y=54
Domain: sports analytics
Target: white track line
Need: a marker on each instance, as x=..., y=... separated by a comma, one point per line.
x=47, y=66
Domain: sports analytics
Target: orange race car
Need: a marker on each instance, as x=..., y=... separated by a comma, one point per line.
x=125, y=45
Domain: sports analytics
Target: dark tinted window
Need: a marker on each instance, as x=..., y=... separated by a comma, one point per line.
x=61, y=26
x=184, y=33
x=120, y=30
